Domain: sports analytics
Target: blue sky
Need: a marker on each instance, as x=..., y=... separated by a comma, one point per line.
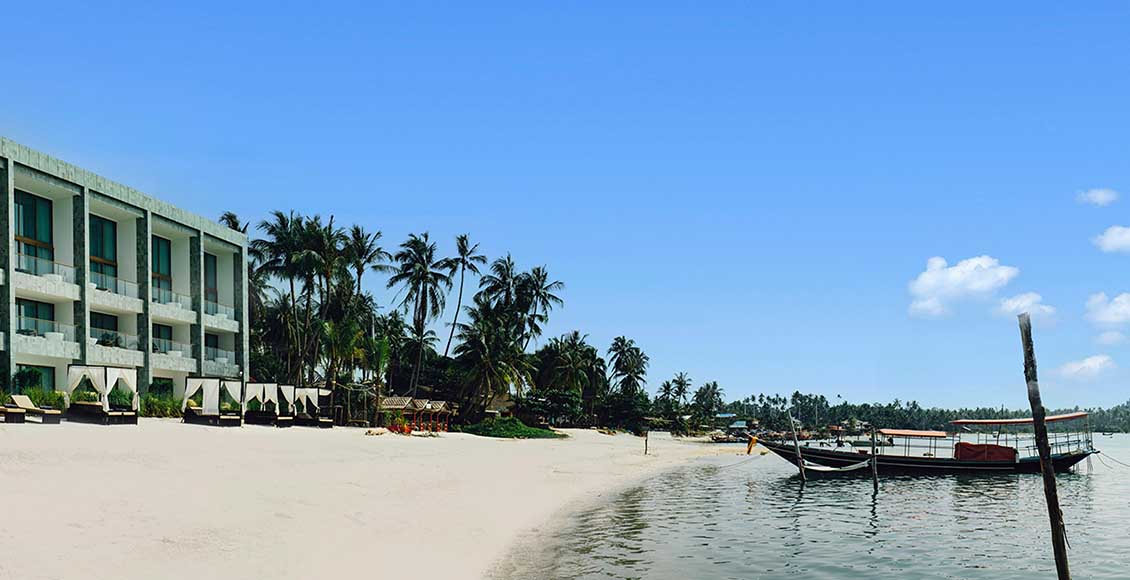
x=747, y=189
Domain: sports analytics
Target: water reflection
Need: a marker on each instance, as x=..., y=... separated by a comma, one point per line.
x=759, y=521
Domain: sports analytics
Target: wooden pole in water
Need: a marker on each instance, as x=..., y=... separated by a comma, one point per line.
x=1055, y=515
x=874, y=461
x=796, y=445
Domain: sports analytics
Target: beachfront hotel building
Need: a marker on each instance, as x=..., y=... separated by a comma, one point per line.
x=96, y=273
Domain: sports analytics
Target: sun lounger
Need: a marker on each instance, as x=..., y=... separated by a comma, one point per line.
x=12, y=414
x=46, y=416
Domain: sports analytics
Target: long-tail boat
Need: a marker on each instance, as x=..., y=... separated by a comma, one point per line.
x=971, y=446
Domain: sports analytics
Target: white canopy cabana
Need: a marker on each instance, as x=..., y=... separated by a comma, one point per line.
x=211, y=389
x=234, y=389
x=123, y=378
x=287, y=393
x=252, y=392
x=97, y=377
x=309, y=398
x=270, y=394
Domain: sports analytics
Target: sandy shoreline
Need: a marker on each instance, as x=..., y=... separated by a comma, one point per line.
x=167, y=500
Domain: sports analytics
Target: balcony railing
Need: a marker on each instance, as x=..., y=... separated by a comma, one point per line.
x=166, y=346
x=105, y=337
x=113, y=284
x=166, y=296
x=49, y=329
x=219, y=355
x=217, y=309
x=43, y=267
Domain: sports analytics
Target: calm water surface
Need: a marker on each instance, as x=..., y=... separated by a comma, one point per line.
x=754, y=520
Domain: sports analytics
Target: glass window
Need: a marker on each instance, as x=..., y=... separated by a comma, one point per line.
x=162, y=263
x=210, y=291
x=46, y=376
x=103, y=247
x=162, y=332
x=104, y=321
x=33, y=226
x=33, y=309
x=211, y=341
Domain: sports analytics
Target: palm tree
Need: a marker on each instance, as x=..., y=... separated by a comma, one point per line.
x=279, y=249
x=500, y=286
x=681, y=386
x=424, y=285
x=540, y=294
x=491, y=355
x=467, y=258
x=363, y=252
x=231, y=220
x=629, y=365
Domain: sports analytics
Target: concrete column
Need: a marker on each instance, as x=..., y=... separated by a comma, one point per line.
x=81, y=216
x=7, y=264
x=144, y=291
x=196, y=271
x=242, y=314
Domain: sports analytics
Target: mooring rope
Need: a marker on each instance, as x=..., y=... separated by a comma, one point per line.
x=743, y=462
x=1114, y=459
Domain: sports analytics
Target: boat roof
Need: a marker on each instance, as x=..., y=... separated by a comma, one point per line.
x=1027, y=421
x=912, y=433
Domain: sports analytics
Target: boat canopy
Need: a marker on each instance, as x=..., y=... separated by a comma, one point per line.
x=1028, y=421
x=912, y=433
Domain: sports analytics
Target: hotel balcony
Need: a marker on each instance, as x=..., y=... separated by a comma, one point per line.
x=45, y=338
x=115, y=348
x=173, y=356
x=220, y=317
x=114, y=294
x=169, y=306
x=42, y=278
x=220, y=362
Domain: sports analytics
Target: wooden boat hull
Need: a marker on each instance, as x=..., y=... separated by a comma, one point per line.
x=894, y=464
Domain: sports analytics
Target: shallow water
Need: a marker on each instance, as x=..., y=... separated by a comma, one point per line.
x=735, y=518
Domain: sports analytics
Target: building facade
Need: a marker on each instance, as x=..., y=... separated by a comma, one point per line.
x=97, y=273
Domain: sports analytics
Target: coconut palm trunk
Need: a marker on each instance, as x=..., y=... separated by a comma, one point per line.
x=455, y=319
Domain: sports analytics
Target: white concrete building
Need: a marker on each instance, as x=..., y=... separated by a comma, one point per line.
x=96, y=273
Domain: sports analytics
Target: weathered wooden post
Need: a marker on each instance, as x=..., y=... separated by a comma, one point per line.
x=874, y=460
x=645, y=437
x=1055, y=515
x=796, y=445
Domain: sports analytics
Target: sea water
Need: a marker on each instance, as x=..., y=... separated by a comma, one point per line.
x=751, y=518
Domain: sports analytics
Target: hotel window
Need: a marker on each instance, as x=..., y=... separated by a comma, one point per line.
x=104, y=321
x=34, y=233
x=46, y=376
x=211, y=293
x=162, y=338
x=162, y=264
x=104, y=252
x=34, y=318
x=211, y=340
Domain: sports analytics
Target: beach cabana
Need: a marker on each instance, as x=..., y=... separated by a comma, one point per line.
x=209, y=412
x=285, y=393
x=441, y=415
x=102, y=380
x=266, y=394
x=311, y=415
x=392, y=405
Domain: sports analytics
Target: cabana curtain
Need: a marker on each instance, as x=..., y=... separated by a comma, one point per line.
x=251, y=392
x=191, y=386
x=271, y=394
x=96, y=375
x=124, y=378
x=211, y=396
x=234, y=389
x=287, y=393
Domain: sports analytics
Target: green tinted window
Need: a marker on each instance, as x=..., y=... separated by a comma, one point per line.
x=46, y=376
x=104, y=321
x=33, y=309
x=162, y=263
x=162, y=331
x=210, y=277
x=211, y=341
x=33, y=225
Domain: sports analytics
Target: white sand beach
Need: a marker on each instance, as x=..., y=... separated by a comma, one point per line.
x=168, y=500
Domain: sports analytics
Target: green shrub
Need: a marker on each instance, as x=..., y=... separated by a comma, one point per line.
x=122, y=399
x=158, y=406
x=84, y=396
x=43, y=399
x=509, y=428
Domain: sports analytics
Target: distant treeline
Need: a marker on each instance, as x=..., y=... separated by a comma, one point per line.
x=816, y=411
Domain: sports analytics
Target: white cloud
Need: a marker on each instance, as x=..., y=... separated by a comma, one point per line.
x=1087, y=368
x=1114, y=239
x=1102, y=310
x=941, y=284
x=1110, y=337
x=1029, y=302
x=1099, y=197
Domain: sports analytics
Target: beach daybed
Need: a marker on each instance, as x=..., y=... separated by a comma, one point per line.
x=209, y=413
x=102, y=380
x=285, y=393
x=311, y=408
x=46, y=416
x=261, y=392
x=12, y=414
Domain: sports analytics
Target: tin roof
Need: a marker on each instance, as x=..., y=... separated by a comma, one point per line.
x=1028, y=421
